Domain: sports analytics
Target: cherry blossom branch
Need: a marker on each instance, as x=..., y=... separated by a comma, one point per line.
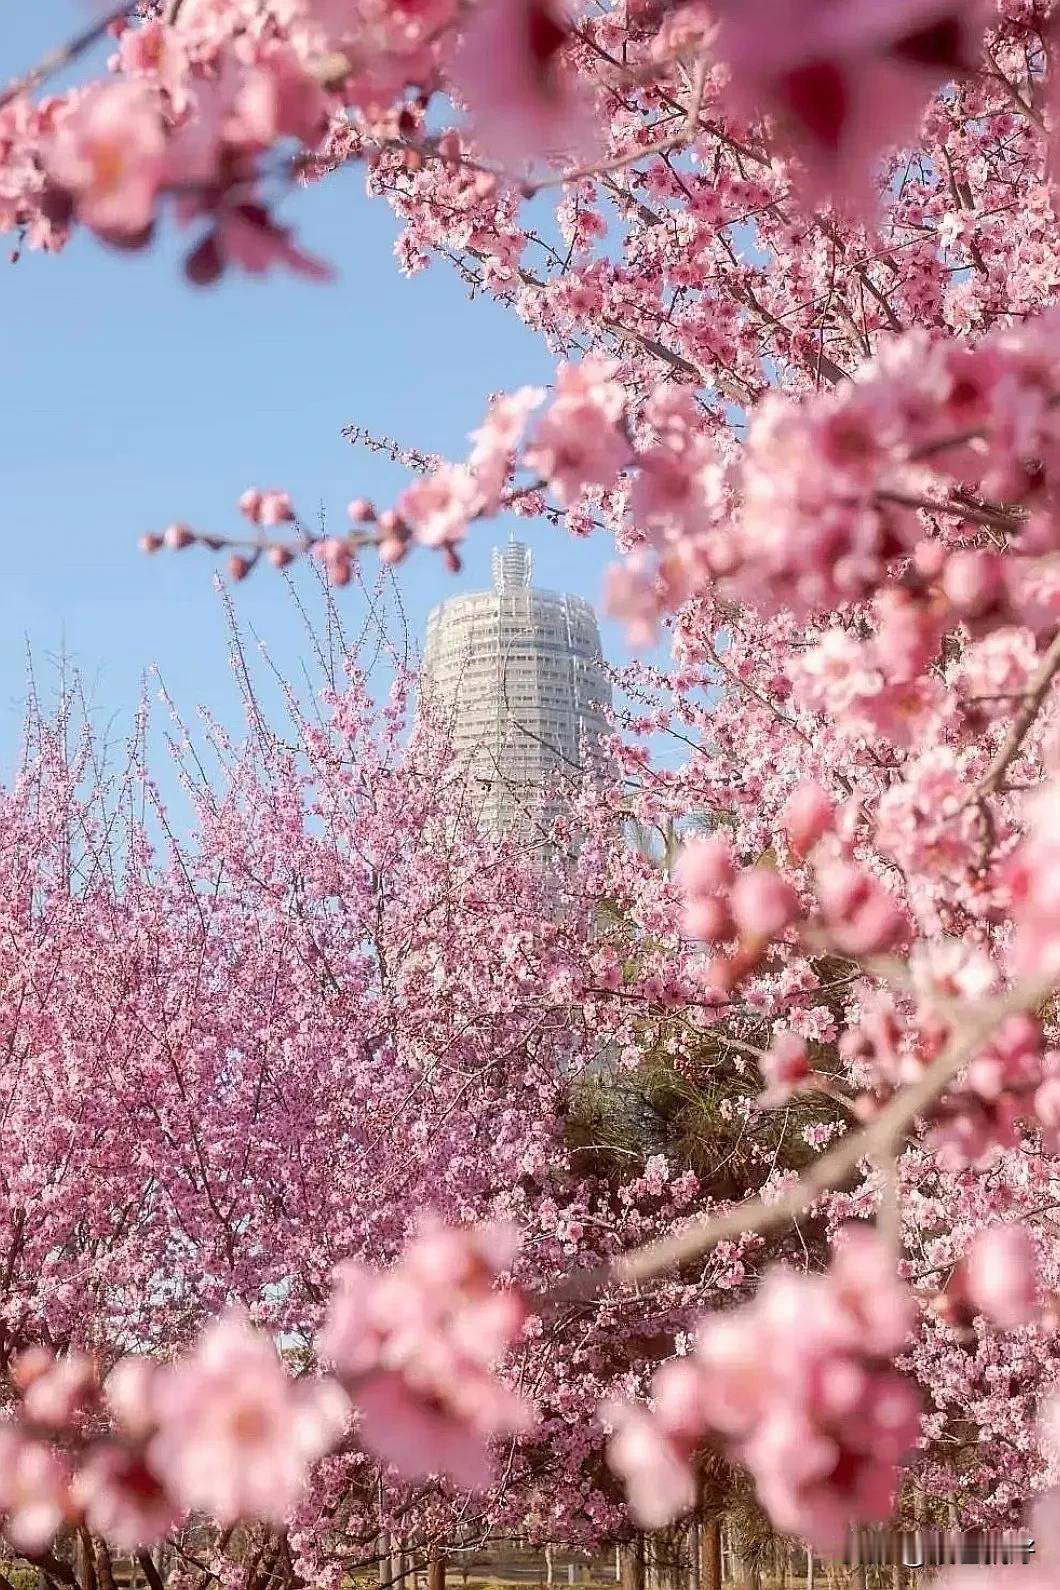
x=879, y=1137
x=1023, y=106
x=752, y=690
x=64, y=54
x=990, y=518
x=1022, y=723
x=687, y=130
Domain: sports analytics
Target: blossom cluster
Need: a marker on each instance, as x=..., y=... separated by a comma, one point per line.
x=205, y=90
x=832, y=499
x=825, y=440
x=226, y=1431
x=418, y=1344
x=799, y=1386
x=231, y=1430
x=890, y=473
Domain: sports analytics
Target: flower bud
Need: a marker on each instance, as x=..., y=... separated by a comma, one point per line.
x=704, y=866
x=1002, y=1275
x=250, y=505
x=392, y=549
x=762, y=904
x=973, y=582
x=205, y=264
x=806, y=817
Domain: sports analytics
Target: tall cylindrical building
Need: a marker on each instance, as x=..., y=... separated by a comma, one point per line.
x=519, y=675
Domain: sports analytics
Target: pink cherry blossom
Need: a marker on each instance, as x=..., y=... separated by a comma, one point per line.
x=973, y=582
x=128, y=1393
x=438, y=507
x=1034, y=884
x=54, y=1393
x=659, y=1480
x=845, y=79
x=631, y=595
x=865, y=1283
x=522, y=95
x=705, y=866
x=705, y=872
x=1002, y=1275
x=798, y=1383
x=277, y=99
x=807, y=816
x=973, y=1123
x=785, y=1067
x=679, y=482
x=419, y=1345
x=496, y=440
x=579, y=440
x=762, y=904
x=107, y=154
x=860, y=915
x=157, y=53
x=236, y=1434
x=34, y=1490
x=122, y=1499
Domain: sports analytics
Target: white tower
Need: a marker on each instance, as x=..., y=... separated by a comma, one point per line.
x=520, y=677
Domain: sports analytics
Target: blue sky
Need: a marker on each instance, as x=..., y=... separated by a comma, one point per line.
x=133, y=400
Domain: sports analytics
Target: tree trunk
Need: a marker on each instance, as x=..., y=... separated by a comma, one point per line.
x=436, y=1571
x=633, y=1564
x=710, y=1554
x=810, y=1566
x=104, y=1566
x=85, y=1560
x=744, y=1573
x=397, y=1565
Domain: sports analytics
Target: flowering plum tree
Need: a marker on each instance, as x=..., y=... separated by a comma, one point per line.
x=797, y=261
x=232, y=1064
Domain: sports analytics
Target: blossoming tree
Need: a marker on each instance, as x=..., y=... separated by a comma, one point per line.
x=233, y=1064
x=798, y=262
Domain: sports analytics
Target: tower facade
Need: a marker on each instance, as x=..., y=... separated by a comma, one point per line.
x=519, y=676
